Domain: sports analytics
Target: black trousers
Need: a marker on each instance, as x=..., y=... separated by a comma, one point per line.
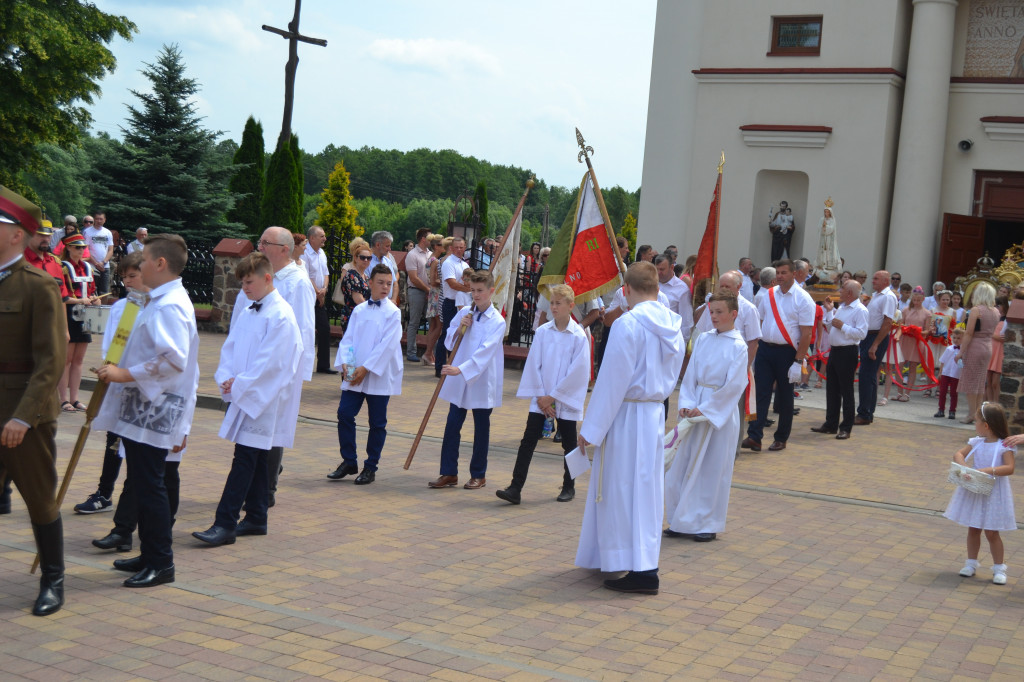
x=322, y=328
x=111, y=468
x=146, y=466
x=247, y=482
x=126, y=515
x=531, y=435
x=771, y=366
x=840, y=372
x=448, y=311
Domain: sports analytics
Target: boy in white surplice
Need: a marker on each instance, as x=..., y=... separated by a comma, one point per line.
x=258, y=368
x=697, y=483
x=625, y=423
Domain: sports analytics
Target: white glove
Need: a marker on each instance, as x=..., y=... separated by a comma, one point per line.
x=794, y=373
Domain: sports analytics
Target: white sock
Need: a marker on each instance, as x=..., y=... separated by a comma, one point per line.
x=973, y=563
x=999, y=568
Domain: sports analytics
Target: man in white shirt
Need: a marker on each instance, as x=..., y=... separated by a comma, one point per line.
x=847, y=326
x=139, y=242
x=59, y=234
x=881, y=311
x=747, y=287
x=101, y=250
x=767, y=281
x=931, y=302
x=315, y=260
x=895, y=279
x=419, y=287
x=678, y=294
x=748, y=321
x=802, y=272
x=782, y=348
x=380, y=245
x=451, y=282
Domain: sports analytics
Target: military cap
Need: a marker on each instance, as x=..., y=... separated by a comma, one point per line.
x=16, y=209
x=45, y=229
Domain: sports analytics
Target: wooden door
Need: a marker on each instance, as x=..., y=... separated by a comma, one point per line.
x=963, y=243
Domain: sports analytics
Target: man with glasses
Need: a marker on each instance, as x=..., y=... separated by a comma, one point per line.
x=101, y=249
x=380, y=245
x=451, y=282
x=896, y=279
x=315, y=261
x=139, y=242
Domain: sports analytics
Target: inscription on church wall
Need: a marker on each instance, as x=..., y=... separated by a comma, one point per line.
x=995, y=39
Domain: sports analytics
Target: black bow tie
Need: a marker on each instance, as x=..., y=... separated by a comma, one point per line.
x=256, y=306
x=373, y=302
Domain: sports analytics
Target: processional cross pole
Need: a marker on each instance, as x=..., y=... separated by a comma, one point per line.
x=293, y=36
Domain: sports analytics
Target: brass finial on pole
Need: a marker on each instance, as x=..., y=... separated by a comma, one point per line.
x=721, y=164
x=586, y=151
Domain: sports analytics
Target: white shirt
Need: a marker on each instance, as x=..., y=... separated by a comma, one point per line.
x=747, y=288
x=759, y=297
x=134, y=245
x=374, y=334
x=678, y=295
x=930, y=303
x=451, y=268
x=99, y=239
x=316, y=266
x=389, y=261
x=796, y=308
x=559, y=366
x=480, y=360
x=854, y=317
x=882, y=306
x=950, y=367
x=619, y=300
x=748, y=321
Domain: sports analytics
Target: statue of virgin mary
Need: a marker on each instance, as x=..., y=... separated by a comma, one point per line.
x=828, y=264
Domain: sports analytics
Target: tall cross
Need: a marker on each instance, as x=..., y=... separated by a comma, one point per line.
x=293, y=36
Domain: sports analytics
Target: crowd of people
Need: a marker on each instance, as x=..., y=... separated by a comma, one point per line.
x=757, y=335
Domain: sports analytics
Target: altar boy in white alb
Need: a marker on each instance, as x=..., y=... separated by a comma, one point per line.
x=698, y=481
x=624, y=428
x=373, y=341
x=258, y=368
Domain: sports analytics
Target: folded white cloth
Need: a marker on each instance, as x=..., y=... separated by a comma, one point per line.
x=794, y=373
x=674, y=438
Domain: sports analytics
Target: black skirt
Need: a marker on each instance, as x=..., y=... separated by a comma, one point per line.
x=76, y=329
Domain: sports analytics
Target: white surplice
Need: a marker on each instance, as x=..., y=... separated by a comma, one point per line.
x=162, y=355
x=558, y=365
x=481, y=361
x=259, y=355
x=625, y=423
x=698, y=482
x=374, y=333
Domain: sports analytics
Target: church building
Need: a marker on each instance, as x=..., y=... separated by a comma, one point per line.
x=909, y=114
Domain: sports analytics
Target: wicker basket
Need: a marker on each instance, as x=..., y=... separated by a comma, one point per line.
x=970, y=479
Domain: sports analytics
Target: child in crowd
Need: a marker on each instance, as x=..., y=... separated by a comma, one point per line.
x=257, y=370
x=464, y=298
x=474, y=382
x=555, y=379
x=151, y=404
x=949, y=376
x=989, y=513
x=373, y=341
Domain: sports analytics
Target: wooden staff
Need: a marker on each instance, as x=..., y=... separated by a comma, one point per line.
x=433, y=399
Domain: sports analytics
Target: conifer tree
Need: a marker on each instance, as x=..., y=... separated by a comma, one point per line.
x=336, y=213
x=480, y=196
x=247, y=182
x=629, y=231
x=281, y=202
x=299, y=183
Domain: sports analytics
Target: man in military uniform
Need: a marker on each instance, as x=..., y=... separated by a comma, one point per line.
x=34, y=352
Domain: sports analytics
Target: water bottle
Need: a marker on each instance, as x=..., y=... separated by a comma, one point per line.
x=549, y=428
x=350, y=363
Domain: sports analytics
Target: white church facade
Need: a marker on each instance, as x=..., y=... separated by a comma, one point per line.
x=909, y=114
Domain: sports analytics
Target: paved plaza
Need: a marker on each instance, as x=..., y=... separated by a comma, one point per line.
x=836, y=564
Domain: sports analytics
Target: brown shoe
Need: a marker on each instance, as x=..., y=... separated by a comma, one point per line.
x=751, y=444
x=842, y=435
x=776, y=446
x=475, y=483
x=444, y=482
x=861, y=421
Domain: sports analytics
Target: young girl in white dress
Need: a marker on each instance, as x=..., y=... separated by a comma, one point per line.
x=990, y=513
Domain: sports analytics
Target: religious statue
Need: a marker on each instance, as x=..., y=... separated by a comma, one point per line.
x=782, y=227
x=828, y=264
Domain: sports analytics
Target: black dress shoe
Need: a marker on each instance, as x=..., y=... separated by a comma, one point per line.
x=247, y=527
x=566, y=495
x=557, y=438
x=216, y=536
x=769, y=422
x=823, y=429
x=751, y=444
x=842, y=435
x=509, y=494
x=133, y=565
x=327, y=371
x=123, y=543
x=151, y=577
x=676, y=534
x=343, y=470
x=365, y=477
x=637, y=582
x=704, y=537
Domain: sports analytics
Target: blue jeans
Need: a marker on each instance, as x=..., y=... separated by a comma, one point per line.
x=867, y=388
x=349, y=406
x=247, y=482
x=481, y=441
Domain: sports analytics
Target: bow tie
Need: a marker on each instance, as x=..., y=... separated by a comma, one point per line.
x=956, y=347
x=373, y=302
x=256, y=306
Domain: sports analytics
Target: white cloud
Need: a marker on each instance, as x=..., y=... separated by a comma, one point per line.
x=446, y=57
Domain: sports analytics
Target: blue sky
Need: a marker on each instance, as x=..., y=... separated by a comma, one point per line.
x=502, y=81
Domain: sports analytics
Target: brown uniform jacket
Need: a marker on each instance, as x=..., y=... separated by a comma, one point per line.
x=33, y=345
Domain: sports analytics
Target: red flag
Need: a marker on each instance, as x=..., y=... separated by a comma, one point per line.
x=706, y=266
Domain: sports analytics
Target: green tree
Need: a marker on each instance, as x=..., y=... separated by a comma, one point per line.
x=629, y=231
x=166, y=175
x=247, y=182
x=281, y=202
x=60, y=183
x=297, y=187
x=336, y=213
x=52, y=57
x=432, y=213
x=480, y=198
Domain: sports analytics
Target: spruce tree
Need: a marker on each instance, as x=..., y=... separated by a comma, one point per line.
x=164, y=176
x=281, y=202
x=247, y=182
x=336, y=212
x=480, y=196
x=299, y=184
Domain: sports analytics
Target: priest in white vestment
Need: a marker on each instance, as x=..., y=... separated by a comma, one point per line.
x=698, y=481
x=623, y=428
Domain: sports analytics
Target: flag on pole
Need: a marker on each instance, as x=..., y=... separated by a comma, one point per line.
x=583, y=257
x=505, y=268
x=706, y=267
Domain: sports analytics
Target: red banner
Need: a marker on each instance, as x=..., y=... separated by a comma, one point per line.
x=706, y=266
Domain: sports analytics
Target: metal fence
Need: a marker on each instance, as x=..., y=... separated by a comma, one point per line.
x=197, y=277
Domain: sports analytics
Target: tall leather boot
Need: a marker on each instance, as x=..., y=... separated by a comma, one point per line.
x=5, y=496
x=50, y=543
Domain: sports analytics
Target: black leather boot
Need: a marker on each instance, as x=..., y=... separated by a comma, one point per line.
x=5, y=496
x=50, y=543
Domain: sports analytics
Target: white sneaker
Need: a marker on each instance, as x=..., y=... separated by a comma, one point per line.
x=969, y=568
x=999, y=574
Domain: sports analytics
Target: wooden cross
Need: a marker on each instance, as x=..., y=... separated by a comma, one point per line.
x=293, y=36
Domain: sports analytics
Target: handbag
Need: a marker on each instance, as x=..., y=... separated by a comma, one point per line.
x=338, y=296
x=970, y=479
